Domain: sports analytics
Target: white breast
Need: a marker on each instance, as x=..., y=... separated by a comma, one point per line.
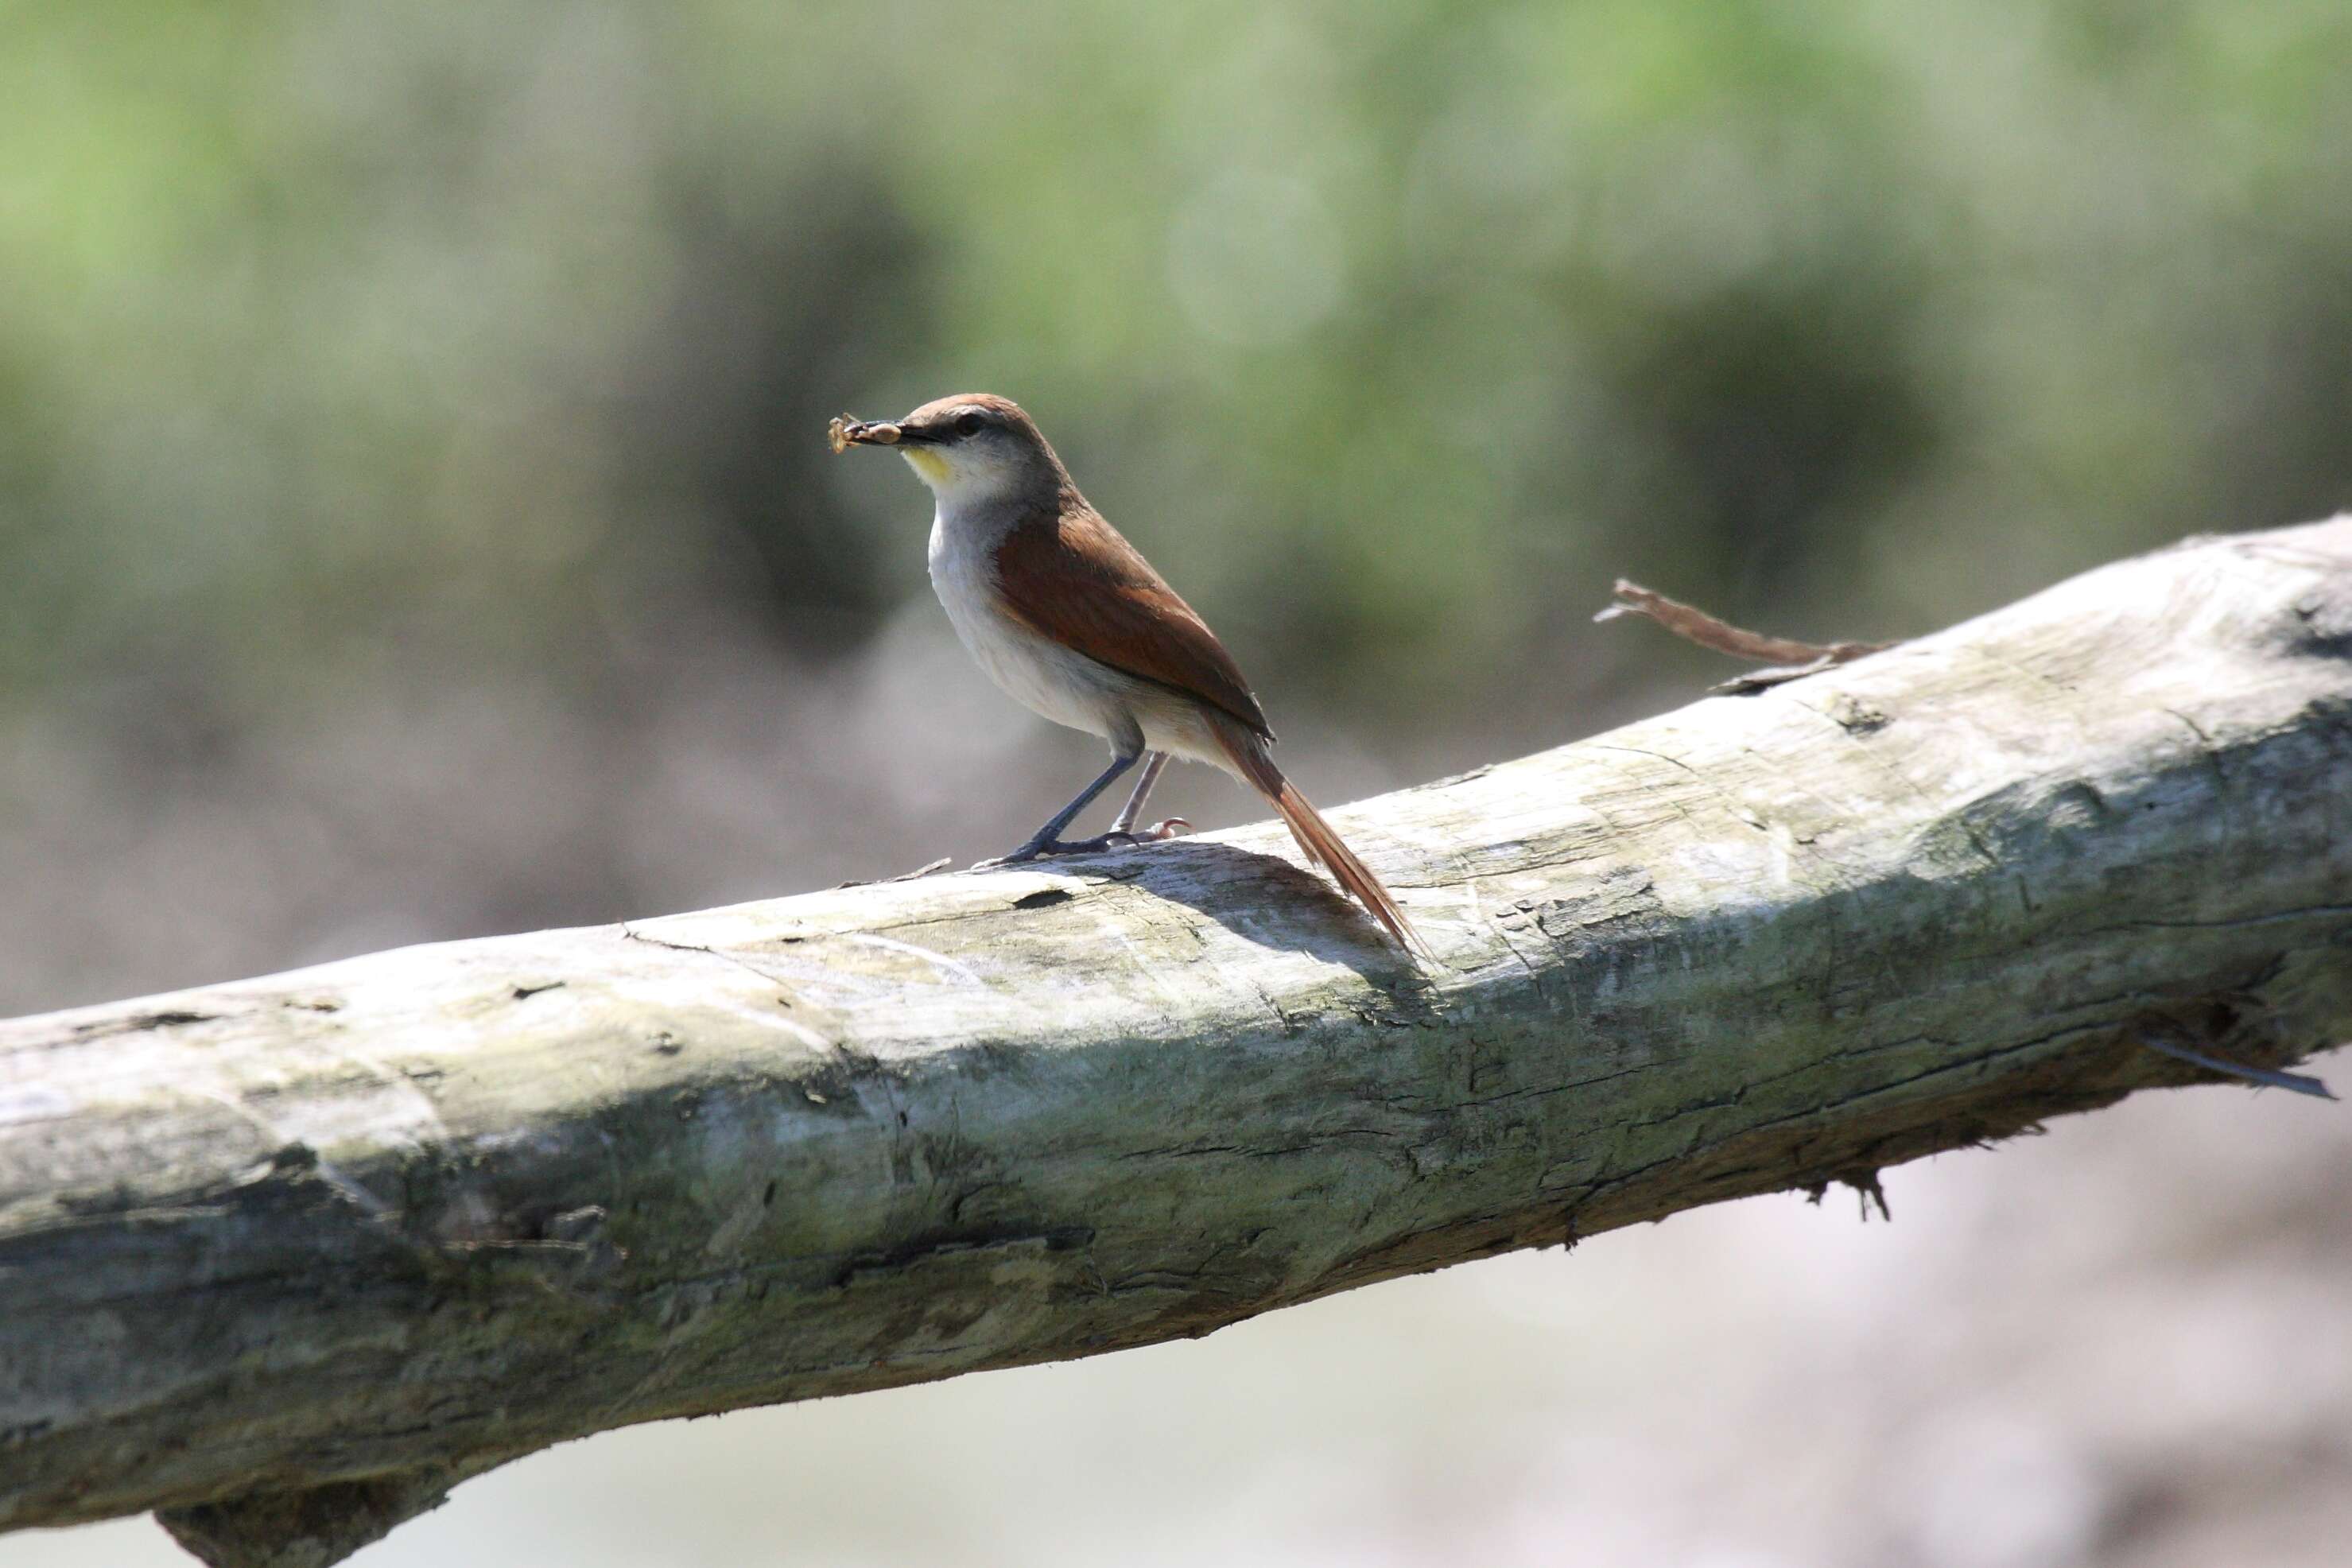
x=1044, y=676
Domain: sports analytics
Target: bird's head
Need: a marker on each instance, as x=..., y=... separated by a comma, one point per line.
x=972, y=447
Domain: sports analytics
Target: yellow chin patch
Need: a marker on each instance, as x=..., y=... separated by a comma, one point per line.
x=926, y=462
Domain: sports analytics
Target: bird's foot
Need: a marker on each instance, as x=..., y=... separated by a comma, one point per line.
x=1044, y=848
x=1039, y=850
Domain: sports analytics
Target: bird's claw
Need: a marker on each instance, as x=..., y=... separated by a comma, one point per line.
x=1117, y=838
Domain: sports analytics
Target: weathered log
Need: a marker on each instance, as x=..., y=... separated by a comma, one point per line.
x=286, y=1259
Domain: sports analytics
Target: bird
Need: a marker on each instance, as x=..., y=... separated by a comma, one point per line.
x=1071, y=621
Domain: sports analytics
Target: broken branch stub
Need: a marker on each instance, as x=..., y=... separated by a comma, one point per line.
x=1789, y=659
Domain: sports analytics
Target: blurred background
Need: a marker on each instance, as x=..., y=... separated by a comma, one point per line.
x=417, y=523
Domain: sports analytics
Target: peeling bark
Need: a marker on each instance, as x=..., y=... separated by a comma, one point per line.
x=287, y=1258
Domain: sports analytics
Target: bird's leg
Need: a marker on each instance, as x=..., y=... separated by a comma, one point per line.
x=1048, y=840
x=1154, y=762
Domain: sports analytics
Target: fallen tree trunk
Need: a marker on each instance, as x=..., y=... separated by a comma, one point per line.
x=286, y=1259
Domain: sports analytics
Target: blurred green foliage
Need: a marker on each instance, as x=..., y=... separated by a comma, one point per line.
x=335, y=333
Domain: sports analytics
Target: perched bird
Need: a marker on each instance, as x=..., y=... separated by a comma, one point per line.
x=1073, y=623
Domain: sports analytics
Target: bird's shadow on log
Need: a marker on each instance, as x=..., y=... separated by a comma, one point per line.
x=1263, y=899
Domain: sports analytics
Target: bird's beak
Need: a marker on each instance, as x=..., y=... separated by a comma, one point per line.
x=844, y=433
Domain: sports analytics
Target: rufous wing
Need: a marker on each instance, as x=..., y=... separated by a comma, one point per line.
x=1068, y=575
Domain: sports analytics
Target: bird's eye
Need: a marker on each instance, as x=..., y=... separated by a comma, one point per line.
x=969, y=423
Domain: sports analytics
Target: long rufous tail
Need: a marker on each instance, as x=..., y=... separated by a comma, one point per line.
x=1322, y=845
